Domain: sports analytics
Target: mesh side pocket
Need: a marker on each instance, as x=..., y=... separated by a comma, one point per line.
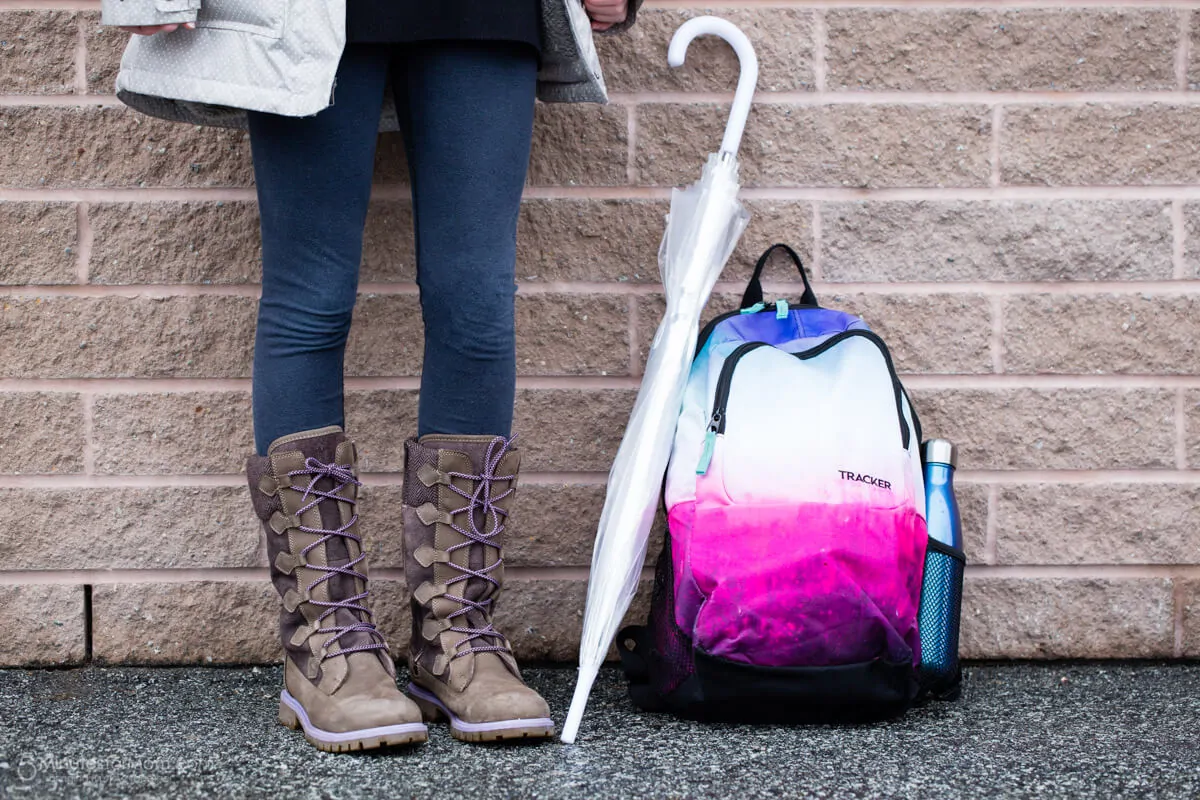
x=671, y=659
x=941, y=608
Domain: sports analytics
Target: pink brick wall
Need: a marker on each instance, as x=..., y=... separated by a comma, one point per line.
x=1010, y=193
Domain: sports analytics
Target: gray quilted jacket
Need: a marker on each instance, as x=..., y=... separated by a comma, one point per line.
x=281, y=55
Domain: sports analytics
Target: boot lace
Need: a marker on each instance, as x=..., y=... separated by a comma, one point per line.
x=341, y=476
x=480, y=498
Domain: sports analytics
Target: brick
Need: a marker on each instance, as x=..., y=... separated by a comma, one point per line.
x=391, y=163
x=1192, y=427
x=1191, y=242
x=556, y=335
x=380, y=420
x=1190, y=599
x=973, y=512
x=618, y=240
x=234, y=622
x=939, y=333
x=944, y=50
x=1053, y=429
x=571, y=430
x=552, y=525
x=201, y=622
x=1066, y=618
x=126, y=337
x=105, y=46
x=388, y=254
x=771, y=222
x=172, y=433
x=60, y=147
x=572, y=335
x=191, y=242
x=1065, y=240
x=128, y=528
x=589, y=240
x=839, y=145
x=38, y=243
x=41, y=433
x=579, y=145
x=1109, y=524
x=636, y=61
x=386, y=337
x=37, y=52
x=1100, y=144
x=925, y=334
x=44, y=625
x=560, y=430
x=1102, y=334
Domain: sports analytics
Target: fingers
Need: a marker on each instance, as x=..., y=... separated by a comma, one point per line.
x=150, y=30
x=610, y=11
x=601, y=26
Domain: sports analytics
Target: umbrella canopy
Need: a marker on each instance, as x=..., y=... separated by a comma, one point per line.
x=704, y=225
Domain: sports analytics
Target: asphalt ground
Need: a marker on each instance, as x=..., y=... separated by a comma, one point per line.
x=1094, y=730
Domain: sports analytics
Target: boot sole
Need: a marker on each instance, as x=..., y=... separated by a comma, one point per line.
x=433, y=709
x=293, y=715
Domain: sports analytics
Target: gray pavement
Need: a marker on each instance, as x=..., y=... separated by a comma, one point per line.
x=1020, y=730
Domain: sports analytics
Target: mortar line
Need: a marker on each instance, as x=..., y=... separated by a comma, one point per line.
x=983, y=381
x=820, y=42
x=996, y=343
x=1005, y=193
x=986, y=5
x=236, y=480
x=560, y=573
x=635, y=355
x=84, y=238
x=1181, y=429
x=890, y=97
x=994, y=144
x=990, y=527
x=86, y=399
x=81, y=85
x=1178, y=241
x=1183, y=53
x=818, y=244
x=993, y=289
x=1177, y=601
x=631, y=136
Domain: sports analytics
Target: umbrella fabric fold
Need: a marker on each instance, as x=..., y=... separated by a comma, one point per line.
x=703, y=227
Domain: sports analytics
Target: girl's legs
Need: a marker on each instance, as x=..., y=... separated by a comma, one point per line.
x=313, y=177
x=467, y=116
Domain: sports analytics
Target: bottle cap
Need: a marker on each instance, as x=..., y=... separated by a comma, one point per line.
x=940, y=451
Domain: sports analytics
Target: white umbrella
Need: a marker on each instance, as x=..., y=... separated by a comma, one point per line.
x=704, y=225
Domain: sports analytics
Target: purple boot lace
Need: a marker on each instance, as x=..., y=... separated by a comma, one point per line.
x=482, y=499
x=341, y=476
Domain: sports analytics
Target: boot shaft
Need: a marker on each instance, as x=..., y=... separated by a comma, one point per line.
x=458, y=491
x=305, y=491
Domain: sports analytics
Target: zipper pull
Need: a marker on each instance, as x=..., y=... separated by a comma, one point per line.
x=754, y=309
x=710, y=443
x=781, y=309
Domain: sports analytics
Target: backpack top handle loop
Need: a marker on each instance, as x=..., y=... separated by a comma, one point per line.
x=754, y=292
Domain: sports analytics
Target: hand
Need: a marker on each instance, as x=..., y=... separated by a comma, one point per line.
x=149, y=30
x=606, y=13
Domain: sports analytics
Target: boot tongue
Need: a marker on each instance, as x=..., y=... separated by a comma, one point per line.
x=323, y=448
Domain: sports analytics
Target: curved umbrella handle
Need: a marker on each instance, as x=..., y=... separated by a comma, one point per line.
x=747, y=78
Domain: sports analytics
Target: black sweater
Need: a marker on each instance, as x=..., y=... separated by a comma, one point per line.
x=423, y=20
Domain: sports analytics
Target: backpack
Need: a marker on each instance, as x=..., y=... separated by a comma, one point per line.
x=789, y=582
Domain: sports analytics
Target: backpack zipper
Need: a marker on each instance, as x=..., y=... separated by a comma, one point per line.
x=716, y=423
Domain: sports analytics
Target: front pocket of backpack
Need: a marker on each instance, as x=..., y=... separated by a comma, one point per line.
x=260, y=17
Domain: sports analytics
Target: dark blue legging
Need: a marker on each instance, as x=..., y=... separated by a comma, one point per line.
x=466, y=113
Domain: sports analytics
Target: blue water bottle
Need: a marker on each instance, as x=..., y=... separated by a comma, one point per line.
x=941, y=588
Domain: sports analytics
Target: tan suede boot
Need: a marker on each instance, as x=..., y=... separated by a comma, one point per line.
x=339, y=681
x=457, y=493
